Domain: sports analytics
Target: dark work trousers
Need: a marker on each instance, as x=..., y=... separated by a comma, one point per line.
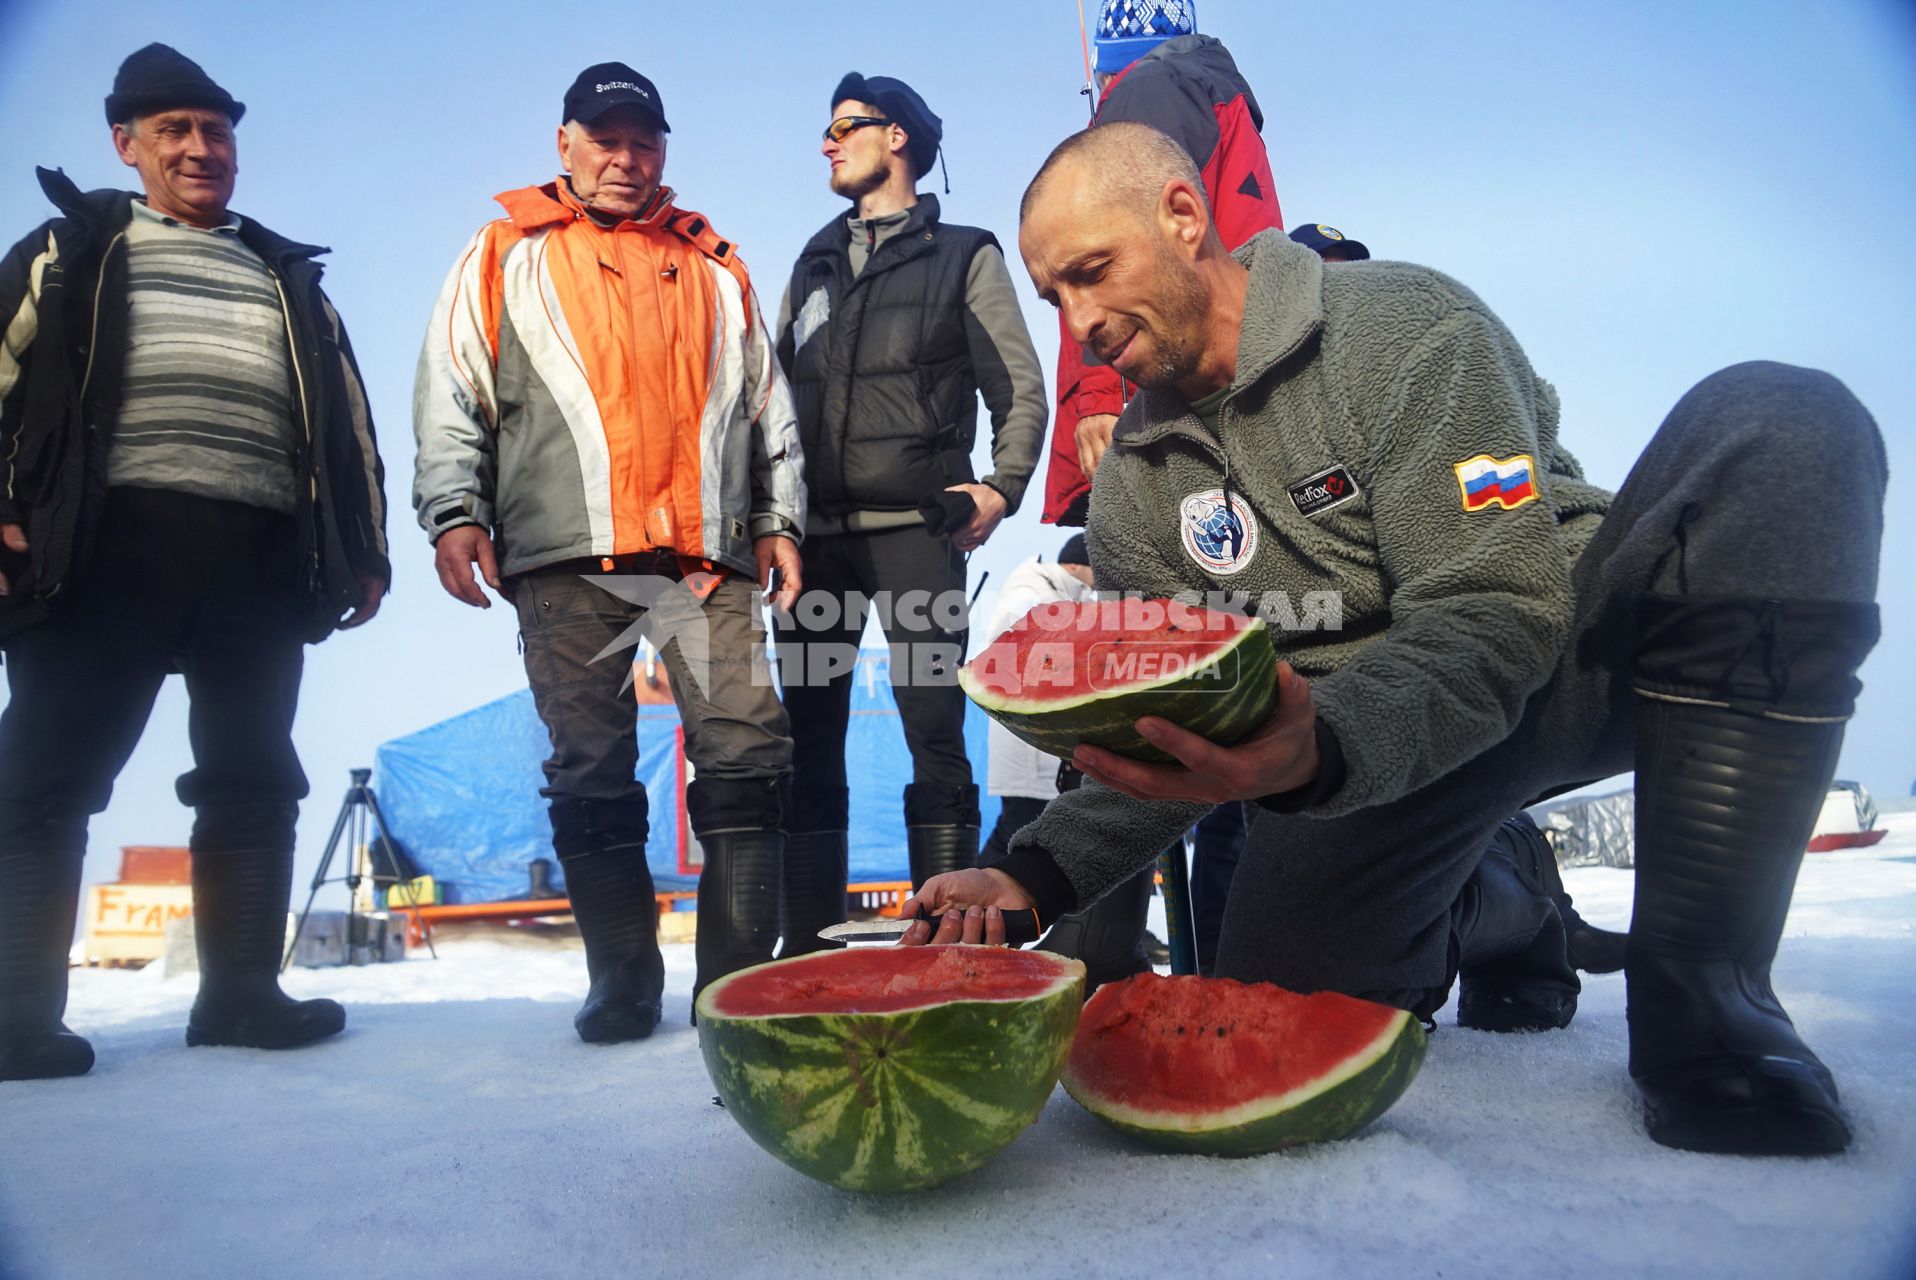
x=1215, y=847
x=579, y=646
x=1765, y=483
x=176, y=583
x=922, y=579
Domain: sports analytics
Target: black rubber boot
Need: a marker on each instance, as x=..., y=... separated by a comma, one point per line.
x=738, y=902
x=239, y=924
x=1108, y=935
x=813, y=894
x=941, y=830
x=39, y=894
x=1737, y=739
x=1513, y=968
x=618, y=917
x=933, y=851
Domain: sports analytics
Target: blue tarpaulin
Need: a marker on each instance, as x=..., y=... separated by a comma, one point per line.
x=462, y=797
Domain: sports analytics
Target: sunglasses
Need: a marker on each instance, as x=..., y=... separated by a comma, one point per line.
x=843, y=127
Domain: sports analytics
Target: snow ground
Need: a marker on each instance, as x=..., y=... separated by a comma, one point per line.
x=459, y=1129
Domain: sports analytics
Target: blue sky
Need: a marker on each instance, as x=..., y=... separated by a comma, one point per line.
x=1644, y=192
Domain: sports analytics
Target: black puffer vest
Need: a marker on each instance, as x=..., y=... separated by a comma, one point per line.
x=887, y=401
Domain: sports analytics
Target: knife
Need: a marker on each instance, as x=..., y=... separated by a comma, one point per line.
x=1020, y=927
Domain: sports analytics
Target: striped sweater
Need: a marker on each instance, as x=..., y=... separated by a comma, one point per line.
x=207, y=405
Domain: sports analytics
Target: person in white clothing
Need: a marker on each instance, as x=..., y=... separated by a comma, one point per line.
x=1020, y=775
x=1109, y=935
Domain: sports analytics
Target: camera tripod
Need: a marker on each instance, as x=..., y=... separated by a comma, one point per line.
x=359, y=819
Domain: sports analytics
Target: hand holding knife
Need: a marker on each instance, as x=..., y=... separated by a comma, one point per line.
x=1021, y=926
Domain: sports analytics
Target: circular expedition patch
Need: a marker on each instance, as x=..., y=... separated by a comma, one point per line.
x=1221, y=539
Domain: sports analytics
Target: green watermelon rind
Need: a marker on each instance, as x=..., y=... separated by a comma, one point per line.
x=953, y=1083
x=1333, y=1106
x=1108, y=718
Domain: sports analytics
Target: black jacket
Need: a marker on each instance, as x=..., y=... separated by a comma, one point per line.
x=64, y=288
x=887, y=395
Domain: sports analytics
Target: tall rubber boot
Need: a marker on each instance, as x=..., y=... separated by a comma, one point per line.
x=1108, y=935
x=39, y=894
x=239, y=924
x=813, y=894
x=941, y=830
x=1737, y=739
x=933, y=851
x=1513, y=966
x=738, y=902
x=618, y=916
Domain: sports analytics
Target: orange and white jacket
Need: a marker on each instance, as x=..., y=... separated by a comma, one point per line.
x=589, y=391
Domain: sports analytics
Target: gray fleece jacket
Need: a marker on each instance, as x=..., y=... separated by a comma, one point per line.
x=1373, y=447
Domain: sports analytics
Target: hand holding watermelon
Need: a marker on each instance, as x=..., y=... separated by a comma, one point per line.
x=1280, y=756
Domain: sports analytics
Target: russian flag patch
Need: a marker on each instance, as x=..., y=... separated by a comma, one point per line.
x=1488, y=482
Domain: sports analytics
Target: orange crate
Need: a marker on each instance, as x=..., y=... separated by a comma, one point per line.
x=155, y=864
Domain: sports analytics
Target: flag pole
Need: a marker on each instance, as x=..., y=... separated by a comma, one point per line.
x=1090, y=90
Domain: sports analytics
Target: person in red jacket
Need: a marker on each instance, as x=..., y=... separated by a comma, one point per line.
x=1152, y=68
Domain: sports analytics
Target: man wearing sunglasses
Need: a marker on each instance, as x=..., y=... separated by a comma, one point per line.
x=893, y=324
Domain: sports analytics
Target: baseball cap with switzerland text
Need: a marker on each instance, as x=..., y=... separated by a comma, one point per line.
x=606, y=85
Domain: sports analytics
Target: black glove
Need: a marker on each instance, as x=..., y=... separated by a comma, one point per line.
x=947, y=511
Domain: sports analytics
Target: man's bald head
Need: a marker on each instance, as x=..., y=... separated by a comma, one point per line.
x=1127, y=165
x=1117, y=234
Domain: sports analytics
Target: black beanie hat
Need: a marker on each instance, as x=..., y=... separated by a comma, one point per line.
x=901, y=103
x=160, y=77
x=1073, y=551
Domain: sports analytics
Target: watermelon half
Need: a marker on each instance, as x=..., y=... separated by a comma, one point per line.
x=1085, y=671
x=890, y=1068
x=1227, y=1068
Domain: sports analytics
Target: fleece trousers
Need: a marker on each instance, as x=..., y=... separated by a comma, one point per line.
x=1766, y=482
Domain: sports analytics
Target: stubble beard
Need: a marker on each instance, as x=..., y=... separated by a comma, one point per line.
x=853, y=184
x=1182, y=306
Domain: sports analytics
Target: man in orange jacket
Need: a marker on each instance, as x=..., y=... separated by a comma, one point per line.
x=597, y=395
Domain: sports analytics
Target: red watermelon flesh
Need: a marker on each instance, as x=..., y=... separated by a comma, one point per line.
x=1223, y=1067
x=1086, y=671
x=886, y=980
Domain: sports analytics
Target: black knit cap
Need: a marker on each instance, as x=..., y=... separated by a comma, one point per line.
x=1073, y=551
x=161, y=78
x=901, y=104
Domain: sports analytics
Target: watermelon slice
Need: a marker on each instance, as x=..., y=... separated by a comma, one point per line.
x=1085, y=671
x=1218, y=1067
x=890, y=1068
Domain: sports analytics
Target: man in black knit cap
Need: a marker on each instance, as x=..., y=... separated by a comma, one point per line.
x=178, y=406
x=893, y=325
